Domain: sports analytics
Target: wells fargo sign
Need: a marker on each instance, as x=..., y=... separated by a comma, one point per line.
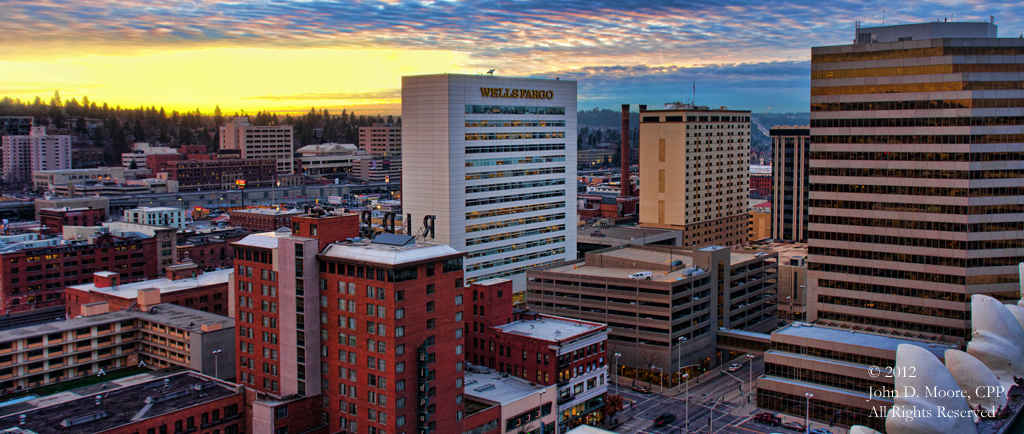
x=497, y=92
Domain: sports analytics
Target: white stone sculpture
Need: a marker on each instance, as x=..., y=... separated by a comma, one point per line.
x=976, y=381
x=997, y=340
x=916, y=412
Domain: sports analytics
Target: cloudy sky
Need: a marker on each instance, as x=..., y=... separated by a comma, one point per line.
x=287, y=55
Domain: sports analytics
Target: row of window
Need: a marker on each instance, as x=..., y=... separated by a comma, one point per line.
x=886, y=273
x=918, y=225
x=918, y=207
x=918, y=191
x=959, y=157
x=513, y=185
x=1013, y=243
x=513, y=235
x=516, y=222
x=956, y=297
x=904, y=326
x=513, y=110
x=919, y=139
x=944, y=261
x=960, y=121
x=515, y=259
x=511, y=136
x=946, y=86
x=916, y=70
x=515, y=148
x=514, y=123
x=517, y=246
x=512, y=272
x=917, y=52
x=895, y=307
x=512, y=173
x=514, y=210
x=515, y=160
x=936, y=104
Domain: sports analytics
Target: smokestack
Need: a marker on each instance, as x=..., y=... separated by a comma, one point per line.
x=624, y=188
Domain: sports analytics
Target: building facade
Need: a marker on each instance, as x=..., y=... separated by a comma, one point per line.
x=668, y=316
x=384, y=140
x=37, y=151
x=494, y=159
x=760, y=221
x=791, y=152
x=263, y=219
x=51, y=180
x=222, y=174
x=914, y=184
x=760, y=181
x=185, y=285
x=54, y=219
x=16, y=125
x=329, y=158
x=260, y=142
x=694, y=172
x=157, y=216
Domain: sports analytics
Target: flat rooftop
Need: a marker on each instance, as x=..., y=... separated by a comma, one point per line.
x=642, y=256
x=181, y=317
x=156, y=209
x=268, y=240
x=628, y=233
x=787, y=251
x=388, y=254
x=165, y=285
x=268, y=211
x=550, y=328
x=118, y=406
x=856, y=338
x=494, y=388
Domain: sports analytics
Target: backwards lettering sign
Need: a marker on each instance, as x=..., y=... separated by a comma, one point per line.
x=497, y=92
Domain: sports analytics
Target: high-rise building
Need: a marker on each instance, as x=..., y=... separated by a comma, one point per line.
x=694, y=172
x=494, y=159
x=791, y=150
x=257, y=142
x=384, y=140
x=36, y=151
x=915, y=187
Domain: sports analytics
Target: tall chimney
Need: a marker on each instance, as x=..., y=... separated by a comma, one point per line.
x=624, y=187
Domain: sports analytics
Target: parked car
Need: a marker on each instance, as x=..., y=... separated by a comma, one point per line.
x=768, y=419
x=664, y=419
x=641, y=389
x=795, y=426
x=641, y=275
x=735, y=367
x=820, y=431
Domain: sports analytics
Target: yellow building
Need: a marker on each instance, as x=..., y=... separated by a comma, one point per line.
x=760, y=221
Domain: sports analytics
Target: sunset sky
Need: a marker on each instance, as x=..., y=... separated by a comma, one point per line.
x=286, y=55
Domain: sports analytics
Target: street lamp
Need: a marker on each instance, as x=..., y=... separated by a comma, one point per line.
x=750, y=377
x=801, y=290
x=661, y=377
x=540, y=411
x=807, y=415
x=216, y=366
x=790, y=299
x=617, y=355
x=686, y=397
x=711, y=418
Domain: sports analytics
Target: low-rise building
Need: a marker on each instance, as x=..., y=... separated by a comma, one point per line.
x=329, y=158
x=126, y=188
x=222, y=174
x=664, y=304
x=524, y=405
x=75, y=202
x=263, y=219
x=146, y=403
x=158, y=335
x=378, y=169
x=760, y=181
x=53, y=220
x=594, y=157
x=140, y=151
x=209, y=249
x=75, y=179
x=185, y=285
x=158, y=216
x=844, y=369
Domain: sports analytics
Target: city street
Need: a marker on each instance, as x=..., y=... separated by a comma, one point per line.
x=732, y=414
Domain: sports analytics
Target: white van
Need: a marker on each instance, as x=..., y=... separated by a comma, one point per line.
x=642, y=275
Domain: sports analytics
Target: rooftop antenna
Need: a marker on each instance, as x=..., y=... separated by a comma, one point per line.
x=883, y=16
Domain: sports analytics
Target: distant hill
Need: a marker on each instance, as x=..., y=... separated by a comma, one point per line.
x=604, y=118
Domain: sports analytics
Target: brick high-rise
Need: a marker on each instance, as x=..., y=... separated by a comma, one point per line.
x=915, y=178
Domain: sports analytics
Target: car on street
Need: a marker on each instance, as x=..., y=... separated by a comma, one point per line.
x=664, y=419
x=820, y=431
x=795, y=426
x=735, y=367
x=768, y=419
x=641, y=389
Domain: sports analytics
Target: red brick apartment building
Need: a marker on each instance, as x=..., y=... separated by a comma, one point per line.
x=544, y=349
x=262, y=219
x=375, y=327
x=221, y=174
x=54, y=219
x=185, y=285
x=35, y=278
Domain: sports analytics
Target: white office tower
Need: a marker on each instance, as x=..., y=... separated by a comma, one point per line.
x=494, y=159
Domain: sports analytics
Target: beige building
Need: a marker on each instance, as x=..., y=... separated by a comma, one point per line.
x=158, y=216
x=58, y=181
x=255, y=142
x=694, y=172
x=665, y=304
x=915, y=187
x=158, y=335
x=594, y=157
x=384, y=140
x=791, y=151
x=330, y=158
x=37, y=151
x=140, y=151
x=760, y=222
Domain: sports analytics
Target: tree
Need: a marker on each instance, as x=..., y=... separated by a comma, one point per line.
x=133, y=165
x=218, y=117
x=613, y=405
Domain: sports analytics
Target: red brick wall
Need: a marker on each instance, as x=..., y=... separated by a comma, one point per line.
x=252, y=374
x=158, y=162
x=55, y=220
x=329, y=228
x=196, y=413
x=210, y=298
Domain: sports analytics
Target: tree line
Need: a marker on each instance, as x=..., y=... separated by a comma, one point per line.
x=115, y=128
